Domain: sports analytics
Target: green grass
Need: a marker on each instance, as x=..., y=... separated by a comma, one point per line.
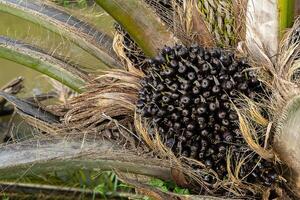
x=101, y=182
x=168, y=186
x=5, y=197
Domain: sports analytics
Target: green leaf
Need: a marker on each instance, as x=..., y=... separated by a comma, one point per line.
x=4, y=197
x=179, y=190
x=100, y=189
x=157, y=183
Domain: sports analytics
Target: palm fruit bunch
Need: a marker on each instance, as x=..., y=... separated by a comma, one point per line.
x=187, y=94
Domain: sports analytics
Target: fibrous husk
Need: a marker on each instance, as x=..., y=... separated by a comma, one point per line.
x=114, y=94
x=285, y=103
x=192, y=22
x=105, y=109
x=130, y=53
x=279, y=70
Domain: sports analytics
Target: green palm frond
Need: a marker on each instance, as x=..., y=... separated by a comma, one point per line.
x=59, y=21
x=39, y=60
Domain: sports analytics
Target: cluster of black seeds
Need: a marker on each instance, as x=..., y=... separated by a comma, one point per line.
x=188, y=92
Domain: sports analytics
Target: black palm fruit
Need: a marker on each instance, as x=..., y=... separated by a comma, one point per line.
x=187, y=93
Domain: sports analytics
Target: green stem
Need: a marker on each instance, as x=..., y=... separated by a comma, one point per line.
x=286, y=14
x=40, y=61
x=58, y=21
x=141, y=23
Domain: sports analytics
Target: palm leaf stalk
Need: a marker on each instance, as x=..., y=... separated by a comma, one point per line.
x=128, y=14
x=29, y=191
x=286, y=14
x=58, y=21
x=45, y=63
x=13, y=87
x=87, y=154
x=112, y=101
